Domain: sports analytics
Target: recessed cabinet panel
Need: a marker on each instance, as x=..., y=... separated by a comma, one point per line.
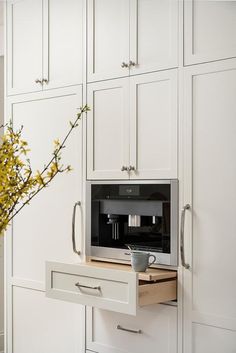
x=212, y=339
x=153, y=35
x=209, y=30
x=44, y=228
x=63, y=45
x=153, y=129
x=24, y=45
x=108, y=39
x=154, y=329
x=107, y=129
x=50, y=326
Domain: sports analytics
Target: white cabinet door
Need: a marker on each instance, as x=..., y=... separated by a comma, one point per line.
x=153, y=35
x=24, y=45
x=108, y=129
x=107, y=332
x=63, y=50
x=50, y=326
x=108, y=39
x=153, y=125
x=209, y=187
x=43, y=230
x=209, y=30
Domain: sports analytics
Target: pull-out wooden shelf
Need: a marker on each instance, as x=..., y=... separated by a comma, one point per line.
x=109, y=286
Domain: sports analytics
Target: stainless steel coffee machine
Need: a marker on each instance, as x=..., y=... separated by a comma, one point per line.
x=138, y=215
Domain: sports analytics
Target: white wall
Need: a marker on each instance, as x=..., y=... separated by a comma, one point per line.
x=1, y=239
x=1, y=121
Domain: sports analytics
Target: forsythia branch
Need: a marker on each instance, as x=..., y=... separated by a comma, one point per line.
x=18, y=184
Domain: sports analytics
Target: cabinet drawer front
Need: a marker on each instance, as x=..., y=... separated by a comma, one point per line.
x=154, y=329
x=102, y=288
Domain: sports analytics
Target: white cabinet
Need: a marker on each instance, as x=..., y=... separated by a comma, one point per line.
x=153, y=35
x=24, y=39
x=44, y=44
x=132, y=127
x=108, y=129
x=209, y=30
x=131, y=36
x=108, y=38
x=43, y=230
x=153, y=125
x=209, y=127
x=154, y=329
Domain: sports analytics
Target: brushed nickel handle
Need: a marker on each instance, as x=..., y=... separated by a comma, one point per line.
x=78, y=203
x=128, y=330
x=123, y=168
x=182, y=251
x=87, y=287
x=132, y=63
x=124, y=65
x=38, y=81
x=44, y=80
x=131, y=168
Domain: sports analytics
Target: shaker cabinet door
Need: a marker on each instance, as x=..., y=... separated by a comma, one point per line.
x=209, y=127
x=24, y=46
x=108, y=129
x=63, y=43
x=108, y=39
x=43, y=230
x=153, y=126
x=153, y=35
x=209, y=30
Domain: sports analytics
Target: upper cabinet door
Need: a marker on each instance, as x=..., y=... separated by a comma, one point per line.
x=153, y=35
x=108, y=39
x=153, y=125
x=63, y=35
x=24, y=49
x=108, y=129
x=209, y=30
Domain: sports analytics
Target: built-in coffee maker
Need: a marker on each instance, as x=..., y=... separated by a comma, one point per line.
x=142, y=216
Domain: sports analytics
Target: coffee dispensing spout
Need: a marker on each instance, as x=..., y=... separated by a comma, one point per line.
x=114, y=221
x=134, y=221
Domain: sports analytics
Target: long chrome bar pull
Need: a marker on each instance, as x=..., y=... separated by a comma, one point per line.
x=78, y=203
x=182, y=249
x=128, y=330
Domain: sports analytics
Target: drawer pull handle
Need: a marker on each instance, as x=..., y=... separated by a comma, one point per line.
x=88, y=287
x=182, y=252
x=128, y=330
x=78, y=203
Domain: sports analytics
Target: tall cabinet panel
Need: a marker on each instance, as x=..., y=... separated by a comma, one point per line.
x=153, y=35
x=153, y=125
x=209, y=188
x=24, y=45
x=108, y=39
x=42, y=231
x=46, y=231
x=209, y=30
